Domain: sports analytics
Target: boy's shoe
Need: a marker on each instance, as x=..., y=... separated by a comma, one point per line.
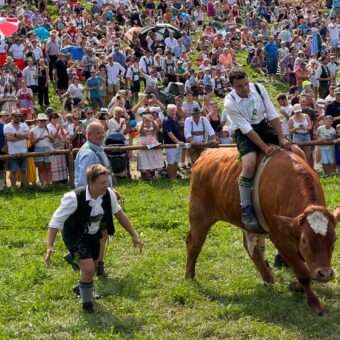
x=101, y=271
x=249, y=219
x=88, y=307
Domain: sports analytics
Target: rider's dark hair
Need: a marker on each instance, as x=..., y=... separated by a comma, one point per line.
x=236, y=74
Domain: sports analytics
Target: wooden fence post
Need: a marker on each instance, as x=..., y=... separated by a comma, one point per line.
x=71, y=167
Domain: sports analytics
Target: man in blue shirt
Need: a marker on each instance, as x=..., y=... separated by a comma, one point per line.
x=94, y=84
x=91, y=153
x=271, y=52
x=172, y=135
x=118, y=56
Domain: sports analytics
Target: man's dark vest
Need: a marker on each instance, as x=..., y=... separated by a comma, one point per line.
x=324, y=74
x=76, y=226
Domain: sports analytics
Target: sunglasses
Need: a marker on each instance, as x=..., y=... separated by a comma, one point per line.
x=17, y=116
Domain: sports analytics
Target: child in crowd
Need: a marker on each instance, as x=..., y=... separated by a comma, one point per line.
x=225, y=136
x=326, y=133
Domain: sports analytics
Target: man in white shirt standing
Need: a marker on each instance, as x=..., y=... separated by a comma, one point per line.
x=170, y=41
x=81, y=217
x=37, y=51
x=114, y=72
x=197, y=129
x=3, y=51
x=247, y=106
x=16, y=134
x=30, y=73
x=17, y=51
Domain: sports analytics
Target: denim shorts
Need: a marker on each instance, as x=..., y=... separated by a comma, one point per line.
x=301, y=137
x=173, y=155
x=18, y=164
x=327, y=156
x=46, y=159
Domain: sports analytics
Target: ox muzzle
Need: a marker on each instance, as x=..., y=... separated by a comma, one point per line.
x=323, y=274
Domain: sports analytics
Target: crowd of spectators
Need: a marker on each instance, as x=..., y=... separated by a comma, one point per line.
x=119, y=77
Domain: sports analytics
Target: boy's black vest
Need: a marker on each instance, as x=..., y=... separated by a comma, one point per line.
x=76, y=226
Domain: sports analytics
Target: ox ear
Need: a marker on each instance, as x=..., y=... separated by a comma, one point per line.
x=288, y=225
x=336, y=214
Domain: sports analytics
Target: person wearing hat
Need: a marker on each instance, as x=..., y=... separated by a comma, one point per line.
x=333, y=68
x=42, y=137
x=52, y=50
x=190, y=105
x=60, y=74
x=307, y=88
x=16, y=133
x=248, y=107
x=87, y=62
x=300, y=125
x=17, y=51
x=323, y=75
x=197, y=129
x=168, y=67
x=133, y=77
x=146, y=63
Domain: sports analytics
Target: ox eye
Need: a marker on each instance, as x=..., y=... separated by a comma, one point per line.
x=303, y=241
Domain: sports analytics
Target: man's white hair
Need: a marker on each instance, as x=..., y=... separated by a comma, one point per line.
x=171, y=106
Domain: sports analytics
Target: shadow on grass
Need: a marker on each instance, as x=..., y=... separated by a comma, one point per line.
x=269, y=305
x=119, y=286
x=105, y=322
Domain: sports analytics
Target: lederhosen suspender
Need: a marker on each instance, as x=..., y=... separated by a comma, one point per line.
x=198, y=133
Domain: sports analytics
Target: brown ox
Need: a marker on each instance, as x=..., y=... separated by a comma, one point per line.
x=293, y=206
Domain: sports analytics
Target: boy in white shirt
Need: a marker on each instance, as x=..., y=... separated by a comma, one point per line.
x=326, y=133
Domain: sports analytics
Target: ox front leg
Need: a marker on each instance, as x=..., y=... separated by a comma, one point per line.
x=303, y=278
x=195, y=240
x=255, y=246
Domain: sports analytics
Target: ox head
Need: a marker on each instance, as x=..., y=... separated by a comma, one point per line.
x=313, y=236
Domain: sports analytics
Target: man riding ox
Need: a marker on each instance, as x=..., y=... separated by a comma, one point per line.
x=250, y=111
x=290, y=207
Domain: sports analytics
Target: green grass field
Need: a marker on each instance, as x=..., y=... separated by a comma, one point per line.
x=145, y=295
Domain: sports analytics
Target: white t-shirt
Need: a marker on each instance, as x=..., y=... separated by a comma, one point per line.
x=20, y=145
x=334, y=32
x=325, y=134
x=18, y=51
x=114, y=126
x=284, y=124
x=42, y=132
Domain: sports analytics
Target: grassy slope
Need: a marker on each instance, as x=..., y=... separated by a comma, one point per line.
x=145, y=295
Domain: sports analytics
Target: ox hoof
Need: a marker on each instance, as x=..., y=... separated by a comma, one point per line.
x=296, y=287
x=268, y=283
x=189, y=276
x=317, y=309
